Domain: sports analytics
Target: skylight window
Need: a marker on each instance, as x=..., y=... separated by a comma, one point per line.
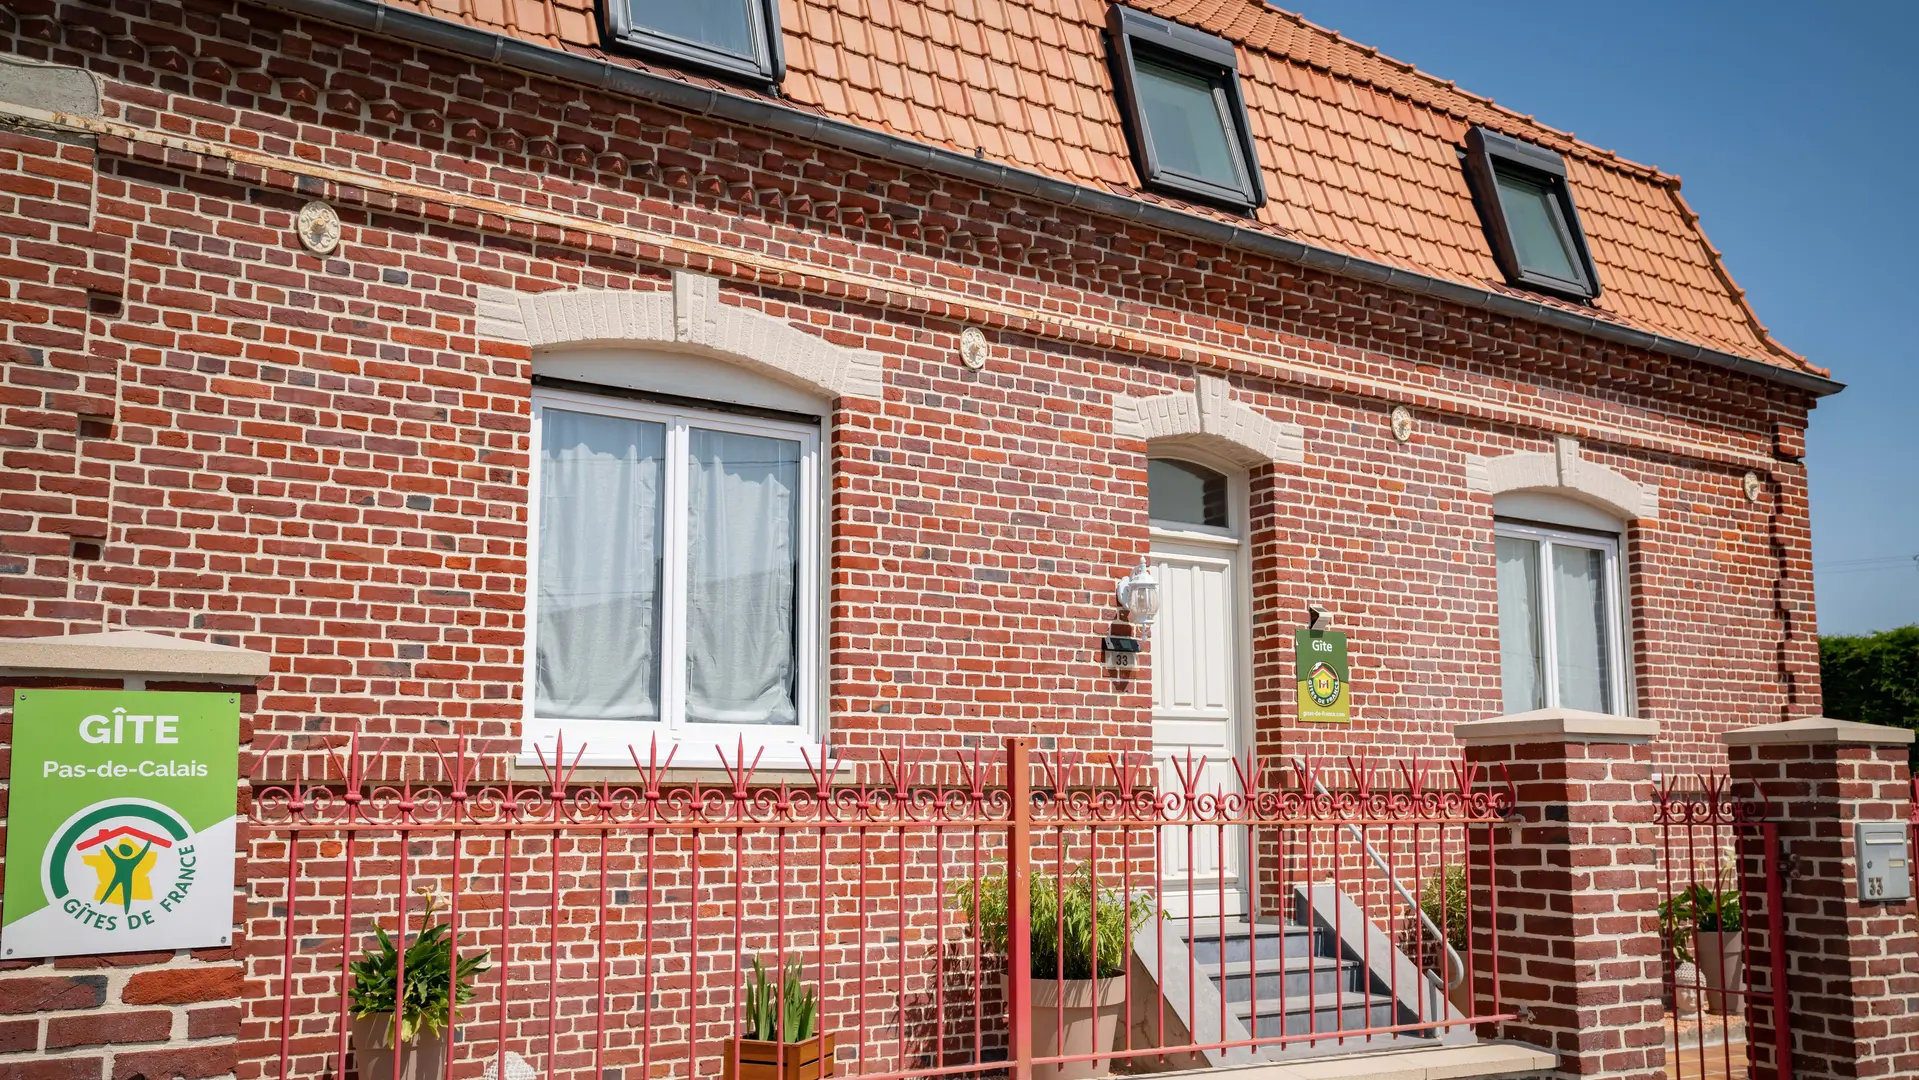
x=1180, y=91
x=1529, y=214
x=738, y=38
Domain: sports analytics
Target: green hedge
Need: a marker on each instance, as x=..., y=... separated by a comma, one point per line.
x=1873, y=678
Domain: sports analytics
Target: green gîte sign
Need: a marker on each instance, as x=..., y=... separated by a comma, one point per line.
x=120, y=832
x=1325, y=682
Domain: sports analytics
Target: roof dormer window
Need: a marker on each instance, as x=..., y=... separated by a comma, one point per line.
x=1180, y=92
x=736, y=38
x=1529, y=214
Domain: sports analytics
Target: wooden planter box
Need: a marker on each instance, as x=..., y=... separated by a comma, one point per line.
x=762, y=1060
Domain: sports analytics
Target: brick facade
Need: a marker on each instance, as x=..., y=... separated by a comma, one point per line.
x=1578, y=887
x=1852, y=963
x=325, y=458
x=207, y=430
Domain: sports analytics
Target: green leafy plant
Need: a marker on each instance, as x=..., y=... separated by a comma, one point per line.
x=1443, y=899
x=1872, y=678
x=429, y=1004
x=1699, y=908
x=1063, y=930
x=780, y=1012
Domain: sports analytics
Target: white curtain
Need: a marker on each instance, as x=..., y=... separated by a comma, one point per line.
x=1579, y=630
x=599, y=585
x=1521, y=654
x=742, y=578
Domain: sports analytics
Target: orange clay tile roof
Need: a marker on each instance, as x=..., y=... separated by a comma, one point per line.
x=1360, y=151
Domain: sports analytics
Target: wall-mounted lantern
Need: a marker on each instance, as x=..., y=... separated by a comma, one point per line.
x=1138, y=594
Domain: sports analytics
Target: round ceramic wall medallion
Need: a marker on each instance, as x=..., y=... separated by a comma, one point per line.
x=1402, y=423
x=972, y=348
x=1754, y=487
x=319, y=228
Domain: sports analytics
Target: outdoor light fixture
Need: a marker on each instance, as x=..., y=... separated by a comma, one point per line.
x=1318, y=618
x=1138, y=593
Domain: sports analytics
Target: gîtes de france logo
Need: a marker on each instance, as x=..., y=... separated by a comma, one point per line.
x=122, y=864
x=1323, y=684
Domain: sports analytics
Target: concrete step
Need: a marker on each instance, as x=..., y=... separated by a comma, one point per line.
x=1292, y=976
x=1329, y=1043
x=1483, y=1061
x=1235, y=941
x=1321, y=1013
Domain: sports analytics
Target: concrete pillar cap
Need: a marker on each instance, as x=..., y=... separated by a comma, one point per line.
x=1818, y=729
x=130, y=652
x=1557, y=725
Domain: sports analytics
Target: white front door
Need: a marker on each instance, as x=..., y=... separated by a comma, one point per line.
x=1197, y=703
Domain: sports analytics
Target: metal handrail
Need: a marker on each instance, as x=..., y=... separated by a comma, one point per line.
x=1455, y=964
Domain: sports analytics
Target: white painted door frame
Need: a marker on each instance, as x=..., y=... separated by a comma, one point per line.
x=1227, y=551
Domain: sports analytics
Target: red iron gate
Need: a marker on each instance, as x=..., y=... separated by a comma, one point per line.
x=1722, y=908
x=597, y=926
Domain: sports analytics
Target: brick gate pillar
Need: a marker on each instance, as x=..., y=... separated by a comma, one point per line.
x=158, y=1015
x=1852, y=962
x=1577, y=889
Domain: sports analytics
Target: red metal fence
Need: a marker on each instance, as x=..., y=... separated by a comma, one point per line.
x=591, y=927
x=1722, y=907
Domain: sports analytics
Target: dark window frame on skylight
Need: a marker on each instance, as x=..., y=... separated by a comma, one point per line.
x=1541, y=173
x=765, y=63
x=1145, y=47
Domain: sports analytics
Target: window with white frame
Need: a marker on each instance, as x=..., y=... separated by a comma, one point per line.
x=675, y=576
x=1561, y=639
x=737, y=39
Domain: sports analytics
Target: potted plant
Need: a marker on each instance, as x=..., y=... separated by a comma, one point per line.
x=779, y=1040
x=427, y=1011
x=1444, y=901
x=1078, y=984
x=1704, y=926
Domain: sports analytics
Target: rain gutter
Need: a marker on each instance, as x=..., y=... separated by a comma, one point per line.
x=377, y=17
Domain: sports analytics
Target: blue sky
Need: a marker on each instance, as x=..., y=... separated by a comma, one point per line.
x=1793, y=126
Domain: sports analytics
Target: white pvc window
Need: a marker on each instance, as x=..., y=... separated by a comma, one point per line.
x=1561, y=637
x=674, y=577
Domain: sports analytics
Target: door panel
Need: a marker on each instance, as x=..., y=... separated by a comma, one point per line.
x=1196, y=715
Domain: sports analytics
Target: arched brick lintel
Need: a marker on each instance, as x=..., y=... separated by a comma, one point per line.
x=1208, y=417
x=1564, y=472
x=690, y=318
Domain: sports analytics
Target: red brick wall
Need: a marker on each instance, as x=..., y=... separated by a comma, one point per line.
x=1852, y=968
x=1578, y=886
x=323, y=459
x=58, y=277
x=319, y=457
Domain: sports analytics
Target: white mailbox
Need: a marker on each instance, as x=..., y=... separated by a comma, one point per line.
x=1885, y=866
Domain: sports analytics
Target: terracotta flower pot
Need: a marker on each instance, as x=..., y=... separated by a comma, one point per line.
x=1091, y=1011
x=808, y=1059
x=1722, y=969
x=1460, y=997
x=422, y=1059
